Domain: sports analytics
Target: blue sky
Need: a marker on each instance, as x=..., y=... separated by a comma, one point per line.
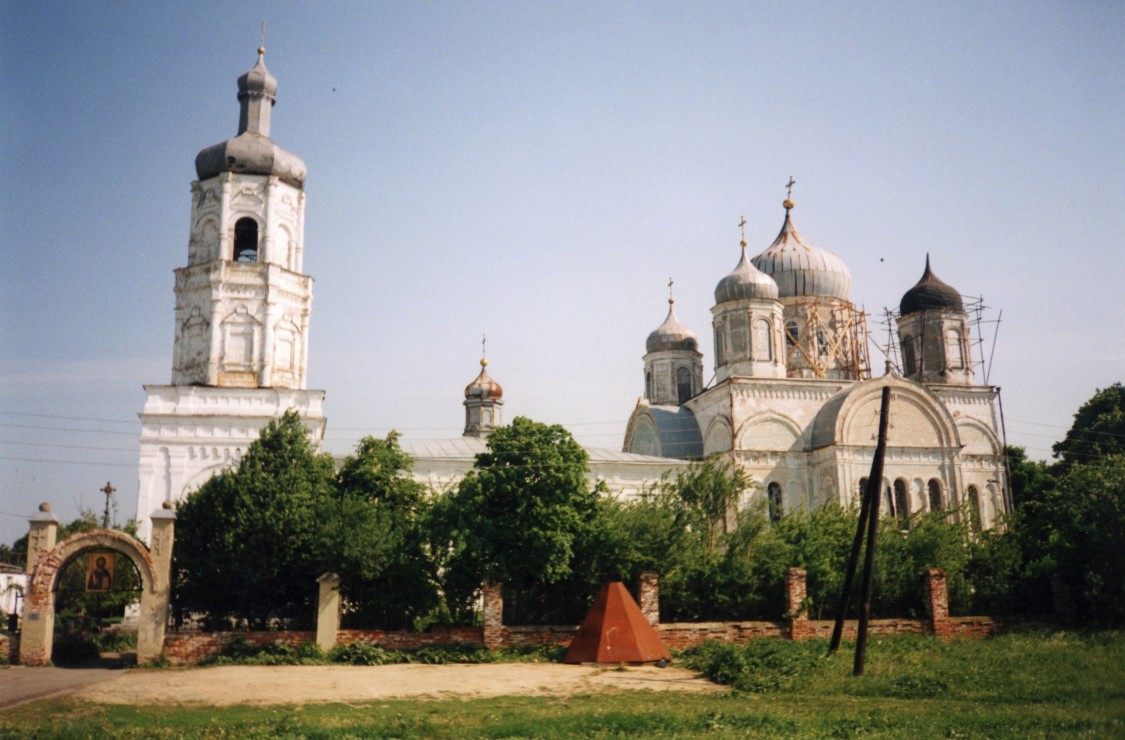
x=537, y=172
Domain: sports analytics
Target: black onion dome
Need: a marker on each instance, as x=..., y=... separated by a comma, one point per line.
x=929, y=293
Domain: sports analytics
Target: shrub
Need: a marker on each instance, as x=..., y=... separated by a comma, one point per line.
x=241, y=652
x=757, y=666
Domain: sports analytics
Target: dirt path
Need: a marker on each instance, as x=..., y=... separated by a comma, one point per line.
x=308, y=684
x=20, y=684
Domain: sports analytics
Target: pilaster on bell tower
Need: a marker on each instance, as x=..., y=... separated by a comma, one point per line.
x=243, y=302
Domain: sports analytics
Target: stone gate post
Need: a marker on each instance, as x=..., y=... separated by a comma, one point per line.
x=154, y=610
x=38, y=608
x=648, y=589
x=41, y=534
x=327, y=611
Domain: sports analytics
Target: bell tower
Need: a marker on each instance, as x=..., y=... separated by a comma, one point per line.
x=242, y=307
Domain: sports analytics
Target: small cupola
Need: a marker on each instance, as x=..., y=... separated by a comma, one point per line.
x=482, y=402
x=745, y=281
x=673, y=363
x=671, y=335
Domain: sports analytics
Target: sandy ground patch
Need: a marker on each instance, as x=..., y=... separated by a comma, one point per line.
x=221, y=685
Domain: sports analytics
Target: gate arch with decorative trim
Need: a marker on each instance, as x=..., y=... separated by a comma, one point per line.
x=46, y=561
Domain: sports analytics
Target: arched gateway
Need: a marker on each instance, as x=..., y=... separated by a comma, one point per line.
x=47, y=561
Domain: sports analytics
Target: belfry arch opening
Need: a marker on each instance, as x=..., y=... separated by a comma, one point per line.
x=246, y=240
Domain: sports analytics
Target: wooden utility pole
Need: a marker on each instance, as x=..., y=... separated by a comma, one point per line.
x=875, y=490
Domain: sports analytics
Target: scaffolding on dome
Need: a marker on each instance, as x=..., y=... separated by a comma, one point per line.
x=832, y=343
x=980, y=349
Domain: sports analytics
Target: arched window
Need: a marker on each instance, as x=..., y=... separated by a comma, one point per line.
x=909, y=361
x=902, y=504
x=739, y=337
x=974, y=508
x=246, y=240
x=888, y=502
x=776, y=504
x=791, y=334
x=761, y=340
x=821, y=342
x=954, y=352
x=683, y=384
x=649, y=390
x=720, y=345
x=937, y=502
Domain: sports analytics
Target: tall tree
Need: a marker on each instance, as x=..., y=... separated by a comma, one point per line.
x=387, y=577
x=251, y=541
x=1098, y=429
x=517, y=516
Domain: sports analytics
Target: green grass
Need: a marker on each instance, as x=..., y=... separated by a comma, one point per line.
x=1042, y=685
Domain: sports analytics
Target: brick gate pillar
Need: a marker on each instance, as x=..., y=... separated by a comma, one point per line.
x=648, y=589
x=796, y=590
x=492, y=615
x=939, y=603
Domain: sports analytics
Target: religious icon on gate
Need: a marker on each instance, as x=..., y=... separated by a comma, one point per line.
x=99, y=571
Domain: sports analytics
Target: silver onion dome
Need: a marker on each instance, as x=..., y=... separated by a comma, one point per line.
x=671, y=335
x=800, y=269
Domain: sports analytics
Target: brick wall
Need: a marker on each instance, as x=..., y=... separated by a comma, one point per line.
x=680, y=635
x=188, y=648
x=404, y=640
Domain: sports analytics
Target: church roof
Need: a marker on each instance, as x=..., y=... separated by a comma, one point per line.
x=800, y=269
x=467, y=448
x=671, y=335
x=929, y=292
x=252, y=151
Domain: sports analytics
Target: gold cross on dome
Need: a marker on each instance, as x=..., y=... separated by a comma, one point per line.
x=670, y=299
x=789, y=187
x=742, y=226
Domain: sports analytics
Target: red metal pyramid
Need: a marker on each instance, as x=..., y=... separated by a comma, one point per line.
x=615, y=631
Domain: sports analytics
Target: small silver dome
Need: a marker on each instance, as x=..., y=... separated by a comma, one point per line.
x=800, y=269
x=671, y=335
x=745, y=281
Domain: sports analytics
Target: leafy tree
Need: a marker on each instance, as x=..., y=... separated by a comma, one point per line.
x=251, y=541
x=1029, y=478
x=1082, y=521
x=1098, y=429
x=387, y=578
x=518, y=517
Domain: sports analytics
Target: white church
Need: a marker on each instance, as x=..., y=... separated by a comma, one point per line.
x=792, y=401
